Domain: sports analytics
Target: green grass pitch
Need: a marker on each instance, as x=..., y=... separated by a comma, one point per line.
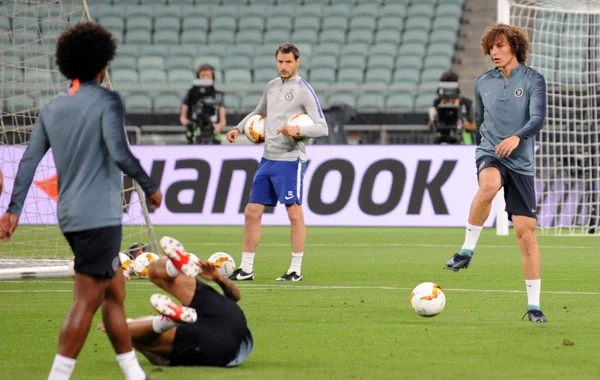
x=350, y=318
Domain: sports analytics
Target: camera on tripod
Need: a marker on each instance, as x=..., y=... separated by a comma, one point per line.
x=446, y=117
x=203, y=112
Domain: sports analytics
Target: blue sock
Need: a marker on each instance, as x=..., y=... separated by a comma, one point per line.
x=466, y=252
x=533, y=307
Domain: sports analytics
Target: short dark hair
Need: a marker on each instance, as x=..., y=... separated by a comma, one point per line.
x=84, y=50
x=449, y=76
x=288, y=48
x=517, y=39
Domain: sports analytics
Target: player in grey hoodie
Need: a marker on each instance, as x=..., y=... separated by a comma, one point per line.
x=281, y=171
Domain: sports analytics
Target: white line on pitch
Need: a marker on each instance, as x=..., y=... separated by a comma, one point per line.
x=408, y=245
x=321, y=287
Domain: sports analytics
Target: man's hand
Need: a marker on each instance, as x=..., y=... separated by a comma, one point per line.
x=209, y=272
x=8, y=225
x=217, y=128
x=289, y=131
x=232, y=135
x=507, y=146
x=155, y=199
x=184, y=121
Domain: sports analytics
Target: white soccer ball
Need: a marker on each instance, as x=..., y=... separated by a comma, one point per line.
x=300, y=120
x=126, y=264
x=141, y=263
x=254, y=129
x=428, y=299
x=223, y=262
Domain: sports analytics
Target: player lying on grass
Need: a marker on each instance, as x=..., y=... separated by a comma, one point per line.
x=208, y=329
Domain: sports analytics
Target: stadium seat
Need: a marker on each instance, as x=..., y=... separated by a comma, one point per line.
x=307, y=23
x=167, y=103
x=378, y=75
x=139, y=22
x=281, y=11
x=356, y=48
x=390, y=23
x=439, y=49
x=335, y=23
x=387, y=36
x=37, y=62
x=312, y=9
x=167, y=12
x=179, y=62
x=42, y=78
x=323, y=61
x=153, y=76
x=20, y=103
x=225, y=10
x=236, y=62
x=283, y=23
x=432, y=75
x=417, y=23
x=199, y=37
x=424, y=101
x=337, y=99
x=381, y=62
x=168, y=36
x=138, y=37
x=393, y=10
x=249, y=37
x=437, y=62
x=353, y=62
x=128, y=50
x=264, y=61
x=327, y=48
x=325, y=75
x=124, y=62
x=250, y=101
x=180, y=76
x=363, y=23
x=251, y=23
x=420, y=10
x=362, y=9
x=332, y=36
x=450, y=24
x=403, y=75
x=151, y=62
x=276, y=37
x=219, y=50
x=415, y=36
x=113, y=23
x=342, y=10
x=200, y=23
x=359, y=37
x=308, y=36
x=448, y=9
x=138, y=103
x=156, y=50
x=183, y=50
x=350, y=75
x=167, y=23
x=417, y=50
x=384, y=49
x=218, y=23
x=238, y=76
x=370, y=102
x=399, y=101
x=409, y=62
x=443, y=37
x=125, y=76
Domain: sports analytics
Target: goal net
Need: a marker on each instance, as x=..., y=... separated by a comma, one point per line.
x=565, y=37
x=29, y=78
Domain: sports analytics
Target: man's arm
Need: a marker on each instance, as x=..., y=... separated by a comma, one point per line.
x=537, y=108
x=36, y=149
x=313, y=109
x=230, y=290
x=469, y=123
x=261, y=109
x=113, y=119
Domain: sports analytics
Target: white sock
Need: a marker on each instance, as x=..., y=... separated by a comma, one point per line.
x=534, y=288
x=296, y=265
x=131, y=366
x=471, y=236
x=62, y=368
x=171, y=270
x=161, y=323
x=248, y=262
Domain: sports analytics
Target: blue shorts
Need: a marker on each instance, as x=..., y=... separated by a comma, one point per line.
x=278, y=181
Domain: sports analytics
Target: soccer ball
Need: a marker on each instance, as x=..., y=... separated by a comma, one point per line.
x=223, y=262
x=255, y=129
x=126, y=264
x=300, y=120
x=428, y=299
x=141, y=263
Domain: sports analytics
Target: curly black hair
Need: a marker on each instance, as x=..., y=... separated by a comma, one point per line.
x=84, y=50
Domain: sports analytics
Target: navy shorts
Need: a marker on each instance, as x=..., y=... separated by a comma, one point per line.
x=519, y=189
x=216, y=336
x=278, y=181
x=96, y=251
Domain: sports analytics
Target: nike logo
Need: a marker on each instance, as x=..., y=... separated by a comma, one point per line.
x=533, y=210
x=241, y=277
x=487, y=93
x=288, y=197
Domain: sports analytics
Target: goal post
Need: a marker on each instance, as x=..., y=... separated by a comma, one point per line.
x=28, y=79
x=565, y=47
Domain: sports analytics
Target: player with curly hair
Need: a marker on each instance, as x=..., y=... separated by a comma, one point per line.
x=510, y=109
x=84, y=127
